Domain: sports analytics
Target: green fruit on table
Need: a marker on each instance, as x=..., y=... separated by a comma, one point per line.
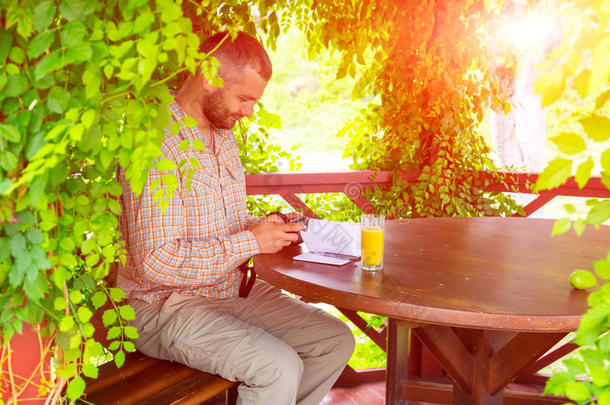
x=582, y=279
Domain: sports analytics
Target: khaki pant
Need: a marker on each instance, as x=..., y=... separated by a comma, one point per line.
x=283, y=350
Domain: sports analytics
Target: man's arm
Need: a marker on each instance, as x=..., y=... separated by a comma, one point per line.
x=168, y=258
x=165, y=256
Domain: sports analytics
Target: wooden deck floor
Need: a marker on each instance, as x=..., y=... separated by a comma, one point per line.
x=372, y=393
x=363, y=394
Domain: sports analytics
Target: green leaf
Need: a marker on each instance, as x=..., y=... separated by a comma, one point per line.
x=57, y=99
x=75, y=296
x=109, y=317
x=554, y=174
x=43, y=15
x=119, y=358
x=605, y=161
x=599, y=375
x=550, y=85
x=602, y=268
x=601, y=100
x=127, y=313
x=599, y=213
x=67, y=244
x=113, y=333
x=115, y=189
x=165, y=165
x=189, y=121
x=174, y=129
x=16, y=85
x=198, y=144
x=98, y=299
x=76, y=388
x=90, y=370
x=6, y=41
x=583, y=172
x=40, y=44
x=5, y=184
x=88, y=330
x=581, y=83
x=115, y=206
x=84, y=314
x=88, y=118
x=604, y=398
x=114, y=345
x=129, y=347
x=556, y=384
x=17, y=244
x=17, y=55
x=8, y=161
x=73, y=33
x=569, y=143
x=47, y=64
x=130, y=332
x=577, y=391
x=92, y=259
x=72, y=10
x=66, y=323
x=79, y=52
x=10, y=133
x=561, y=226
x=35, y=235
x=597, y=127
x=15, y=276
x=59, y=303
x=143, y=22
x=116, y=294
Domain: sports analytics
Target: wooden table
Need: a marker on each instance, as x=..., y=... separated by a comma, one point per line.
x=488, y=296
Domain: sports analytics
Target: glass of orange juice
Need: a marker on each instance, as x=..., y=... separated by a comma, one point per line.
x=371, y=226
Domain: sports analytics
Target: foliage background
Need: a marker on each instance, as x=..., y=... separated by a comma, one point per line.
x=84, y=84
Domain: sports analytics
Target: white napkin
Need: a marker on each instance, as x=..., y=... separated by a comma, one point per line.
x=330, y=237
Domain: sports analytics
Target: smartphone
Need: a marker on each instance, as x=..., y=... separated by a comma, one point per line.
x=301, y=219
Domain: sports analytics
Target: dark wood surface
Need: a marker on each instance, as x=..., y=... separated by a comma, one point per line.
x=144, y=380
x=486, y=273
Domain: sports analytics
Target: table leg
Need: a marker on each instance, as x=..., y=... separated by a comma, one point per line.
x=480, y=362
x=478, y=343
x=398, y=348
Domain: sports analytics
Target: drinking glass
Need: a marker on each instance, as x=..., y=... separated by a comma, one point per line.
x=372, y=227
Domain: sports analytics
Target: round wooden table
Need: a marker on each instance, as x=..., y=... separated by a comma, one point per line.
x=488, y=296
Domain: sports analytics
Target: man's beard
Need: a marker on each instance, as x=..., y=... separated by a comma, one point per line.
x=216, y=111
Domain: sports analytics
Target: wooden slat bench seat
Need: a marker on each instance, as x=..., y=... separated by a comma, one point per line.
x=144, y=380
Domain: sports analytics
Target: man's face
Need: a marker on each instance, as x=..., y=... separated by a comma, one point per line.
x=223, y=107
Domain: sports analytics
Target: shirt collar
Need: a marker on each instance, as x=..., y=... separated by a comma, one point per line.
x=191, y=132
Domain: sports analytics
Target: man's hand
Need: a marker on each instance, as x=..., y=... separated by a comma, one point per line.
x=277, y=219
x=272, y=237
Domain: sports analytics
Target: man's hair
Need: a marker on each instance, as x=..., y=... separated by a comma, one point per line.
x=234, y=54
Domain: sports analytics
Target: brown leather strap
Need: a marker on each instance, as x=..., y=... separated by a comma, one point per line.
x=246, y=281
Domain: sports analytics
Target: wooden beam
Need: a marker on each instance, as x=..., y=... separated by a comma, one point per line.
x=450, y=351
x=517, y=354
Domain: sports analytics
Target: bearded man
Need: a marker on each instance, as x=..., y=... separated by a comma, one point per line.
x=182, y=274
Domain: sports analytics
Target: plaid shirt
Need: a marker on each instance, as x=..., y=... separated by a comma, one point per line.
x=195, y=246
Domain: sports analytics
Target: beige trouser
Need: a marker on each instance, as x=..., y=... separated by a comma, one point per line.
x=283, y=350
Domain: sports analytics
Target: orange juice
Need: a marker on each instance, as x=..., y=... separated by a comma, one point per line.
x=372, y=246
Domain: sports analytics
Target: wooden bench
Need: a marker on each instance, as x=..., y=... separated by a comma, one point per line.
x=144, y=380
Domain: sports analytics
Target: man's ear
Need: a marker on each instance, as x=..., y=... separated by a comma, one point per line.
x=204, y=83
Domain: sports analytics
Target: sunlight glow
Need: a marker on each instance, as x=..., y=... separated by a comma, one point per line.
x=531, y=32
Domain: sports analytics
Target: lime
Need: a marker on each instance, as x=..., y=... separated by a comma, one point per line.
x=582, y=279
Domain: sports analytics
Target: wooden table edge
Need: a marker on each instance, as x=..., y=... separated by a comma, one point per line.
x=474, y=320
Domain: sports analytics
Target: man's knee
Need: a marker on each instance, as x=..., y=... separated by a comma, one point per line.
x=281, y=366
x=345, y=341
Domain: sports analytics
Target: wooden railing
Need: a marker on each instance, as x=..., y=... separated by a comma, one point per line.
x=354, y=183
